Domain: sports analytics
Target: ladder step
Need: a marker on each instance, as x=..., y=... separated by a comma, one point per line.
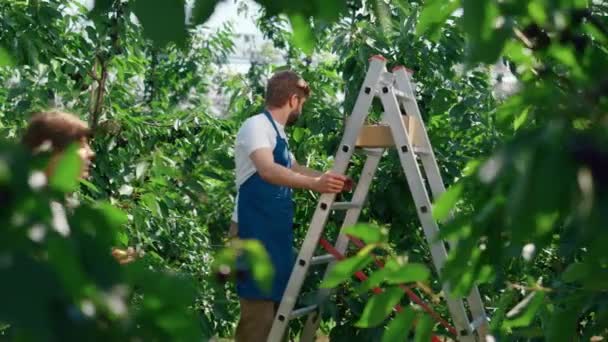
x=421, y=150
x=302, y=311
x=373, y=151
x=477, y=323
x=402, y=95
x=345, y=205
x=322, y=259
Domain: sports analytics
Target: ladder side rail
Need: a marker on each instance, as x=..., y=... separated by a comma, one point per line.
x=423, y=205
x=433, y=174
x=352, y=216
x=345, y=151
x=421, y=138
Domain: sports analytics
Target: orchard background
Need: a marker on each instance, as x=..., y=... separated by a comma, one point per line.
x=526, y=171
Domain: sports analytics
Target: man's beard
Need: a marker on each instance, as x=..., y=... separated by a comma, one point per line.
x=292, y=118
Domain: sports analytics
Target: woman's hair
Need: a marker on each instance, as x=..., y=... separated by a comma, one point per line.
x=54, y=128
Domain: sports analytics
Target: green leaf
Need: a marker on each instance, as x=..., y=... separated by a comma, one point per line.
x=66, y=173
x=408, y=273
x=373, y=280
x=400, y=326
x=379, y=307
x=563, y=324
x=5, y=58
x=537, y=12
x=444, y=204
x=261, y=267
x=499, y=315
x=525, y=311
x=424, y=329
x=485, y=40
x=65, y=261
x=521, y=119
x=101, y=8
x=150, y=201
x=575, y=272
x=298, y=134
x=433, y=16
x=163, y=21
x=344, y=269
x=303, y=37
x=90, y=186
x=202, y=10
x=113, y=216
x=368, y=233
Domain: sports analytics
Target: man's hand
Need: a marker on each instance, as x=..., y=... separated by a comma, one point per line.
x=329, y=182
x=124, y=256
x=349, y=184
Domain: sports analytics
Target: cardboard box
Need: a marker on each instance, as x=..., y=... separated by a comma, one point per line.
x=374, y=136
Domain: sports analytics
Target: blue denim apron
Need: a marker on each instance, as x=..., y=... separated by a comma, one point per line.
x=265, y=213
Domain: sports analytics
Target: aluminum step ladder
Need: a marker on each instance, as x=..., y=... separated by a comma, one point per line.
x=409, y=137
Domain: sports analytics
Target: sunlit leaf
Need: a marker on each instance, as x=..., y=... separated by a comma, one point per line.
x=66, y=171
x=521, y=119
x=379, y=307
x=424, y=329
x=444, y=204
x=260, y=264
x=537, y=12
x=113, y=216
x=408, y=273
x=433, y=16
x=303, y=36
x=5, y=58
x=525, y=311
x=345, y=269
x=298, y=134
x=368, y=233
x=400, y=326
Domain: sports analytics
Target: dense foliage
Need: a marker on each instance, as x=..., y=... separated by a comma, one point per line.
x=527, y=174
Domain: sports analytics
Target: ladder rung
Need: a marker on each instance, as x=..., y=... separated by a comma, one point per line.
x=322, y=259
x=477, y=323
x=420, y=150
x=345, y=205
x=302, y=311
x=402, y=95
x=373, y=151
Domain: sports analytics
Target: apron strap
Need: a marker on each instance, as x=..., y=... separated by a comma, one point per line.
x=269, y=117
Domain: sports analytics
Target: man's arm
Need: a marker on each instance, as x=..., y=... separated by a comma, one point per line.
x=279, y=175
x=303, y=170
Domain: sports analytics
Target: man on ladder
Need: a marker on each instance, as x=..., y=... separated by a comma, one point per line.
x=266, y=173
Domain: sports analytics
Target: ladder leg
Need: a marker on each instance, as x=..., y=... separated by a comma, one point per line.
x=353, y=127
x=352, y=216
x=423, y=205
x=433, y=175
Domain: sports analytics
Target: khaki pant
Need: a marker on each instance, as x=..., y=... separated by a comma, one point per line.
x=256, y=320
x=257, y=315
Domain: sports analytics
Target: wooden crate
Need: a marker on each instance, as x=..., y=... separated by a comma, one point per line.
x=374, y=136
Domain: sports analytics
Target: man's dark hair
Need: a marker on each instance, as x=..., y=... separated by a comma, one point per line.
x=284, y=84
x=58, y=129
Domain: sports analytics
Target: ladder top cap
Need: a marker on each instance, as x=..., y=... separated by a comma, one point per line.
x=378, y=57
x=408, y=70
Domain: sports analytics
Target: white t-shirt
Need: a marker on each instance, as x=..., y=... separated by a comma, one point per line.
x=255, y=133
